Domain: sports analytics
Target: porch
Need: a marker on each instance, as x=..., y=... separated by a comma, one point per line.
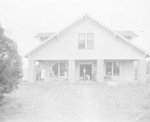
x=65, y=70
x=81, y=70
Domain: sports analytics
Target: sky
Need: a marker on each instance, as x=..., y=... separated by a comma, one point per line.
x=23, y=19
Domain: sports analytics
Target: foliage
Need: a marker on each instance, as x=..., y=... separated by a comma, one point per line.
x=10, y=64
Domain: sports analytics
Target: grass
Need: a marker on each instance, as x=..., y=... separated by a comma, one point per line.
x=74, y=102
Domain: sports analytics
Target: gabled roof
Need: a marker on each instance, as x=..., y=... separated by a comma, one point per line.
x=127, y=33
x=100, y=23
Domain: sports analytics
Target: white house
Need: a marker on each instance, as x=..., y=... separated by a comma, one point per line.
x=86, y=50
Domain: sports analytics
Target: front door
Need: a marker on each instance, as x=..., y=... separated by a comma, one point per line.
x=85, y=71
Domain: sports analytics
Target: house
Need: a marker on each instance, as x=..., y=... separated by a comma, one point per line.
x=86, y=50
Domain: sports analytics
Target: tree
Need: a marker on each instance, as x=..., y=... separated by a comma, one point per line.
x=10, y=64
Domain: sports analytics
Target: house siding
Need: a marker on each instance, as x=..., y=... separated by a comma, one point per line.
x=106, y=45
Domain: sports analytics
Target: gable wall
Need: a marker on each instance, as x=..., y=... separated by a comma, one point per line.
x=65, y=45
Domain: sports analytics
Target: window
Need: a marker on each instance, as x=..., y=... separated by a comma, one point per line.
x=59, y=68
x=90, y=40
x=55, y=68
x=81, y=40
x=116, y=68
x=85, y=40
x=108, y=68
x=63, y=68
x=112, y=68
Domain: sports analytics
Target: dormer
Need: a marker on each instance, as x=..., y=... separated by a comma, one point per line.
x=127, y=34
x=43, y=36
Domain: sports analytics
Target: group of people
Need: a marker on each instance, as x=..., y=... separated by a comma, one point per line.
x=91, y=76
x=40, y=75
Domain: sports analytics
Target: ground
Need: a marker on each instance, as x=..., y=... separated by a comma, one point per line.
x=85, y=102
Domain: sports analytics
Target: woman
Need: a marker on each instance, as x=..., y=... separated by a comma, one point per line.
x=42, y=74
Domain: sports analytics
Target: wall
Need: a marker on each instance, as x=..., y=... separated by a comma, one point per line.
x=107, y=45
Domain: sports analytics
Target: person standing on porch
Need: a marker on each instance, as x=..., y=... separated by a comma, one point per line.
x=84, y=74
x=42, y=74
x=38, y=73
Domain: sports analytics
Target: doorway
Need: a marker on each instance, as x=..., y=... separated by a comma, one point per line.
x=85, y=72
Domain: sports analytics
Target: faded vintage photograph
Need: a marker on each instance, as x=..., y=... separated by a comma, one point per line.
x=74, y=61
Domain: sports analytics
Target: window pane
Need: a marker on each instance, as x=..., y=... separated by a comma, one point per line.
x=81, y=40
x=81, y=36
x=90, y=40
x=55, y=68
x=90, y=45
x=81, y=45
x=116, y=68
x=62, y=68
x=108, y=68
x=90, y=36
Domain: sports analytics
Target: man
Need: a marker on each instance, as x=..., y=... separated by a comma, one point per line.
x=84, y=74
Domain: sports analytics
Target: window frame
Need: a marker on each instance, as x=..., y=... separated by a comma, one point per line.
x=86, y=41
x=106, y=68
x=90, y=41
x=82, y=41
x=59, y=68
x=112, y=68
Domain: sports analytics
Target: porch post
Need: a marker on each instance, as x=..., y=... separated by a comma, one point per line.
x=100, y=70
x=31, y=70
x=71, y=70
x=141, y=70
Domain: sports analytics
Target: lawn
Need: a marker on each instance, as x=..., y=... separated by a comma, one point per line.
x=45, y=102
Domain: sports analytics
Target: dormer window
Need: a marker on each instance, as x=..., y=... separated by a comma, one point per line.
x=85, y=40
x=81, y=40
x=90, y=40
x=43, y=36
x=127, y=34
